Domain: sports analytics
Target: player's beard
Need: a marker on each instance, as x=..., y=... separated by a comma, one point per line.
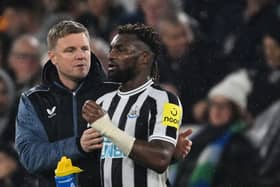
x=122, y=76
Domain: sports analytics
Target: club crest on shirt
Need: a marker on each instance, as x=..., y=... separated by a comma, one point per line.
x=171, y=115
x=134, y=112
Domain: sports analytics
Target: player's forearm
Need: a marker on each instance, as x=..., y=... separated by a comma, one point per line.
x=105, y=126
x=155, y=155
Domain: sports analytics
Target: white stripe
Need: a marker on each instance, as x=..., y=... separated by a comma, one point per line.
x=161, y=98
x=127, y=172
x=163, y=138
x=106, y=99
x=119, y=110
x=155, y=179
x=149, y=118
x=107, y=168
x=136, y=90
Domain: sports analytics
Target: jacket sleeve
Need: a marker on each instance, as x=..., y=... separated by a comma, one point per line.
x=36, y=153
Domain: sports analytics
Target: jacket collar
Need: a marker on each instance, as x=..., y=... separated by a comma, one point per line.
x=95, y=76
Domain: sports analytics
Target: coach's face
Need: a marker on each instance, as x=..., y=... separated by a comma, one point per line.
x=71, y=56
x=124, y=58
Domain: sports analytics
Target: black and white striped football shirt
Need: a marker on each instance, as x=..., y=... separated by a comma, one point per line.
x=146, y=113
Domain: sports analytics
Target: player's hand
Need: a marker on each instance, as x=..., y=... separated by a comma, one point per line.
x=92, y=111
x=183, y=146
x=91, y=139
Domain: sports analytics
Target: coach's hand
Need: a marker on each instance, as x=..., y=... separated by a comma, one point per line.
x=91, y=139
x=92, y=111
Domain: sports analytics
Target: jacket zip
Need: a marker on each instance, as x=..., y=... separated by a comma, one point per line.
x=75, y=113
x=74, y=106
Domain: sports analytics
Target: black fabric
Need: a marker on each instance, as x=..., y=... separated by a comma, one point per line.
x=248, y=45
x=113, y=105
x=205, y=11
x=116, y=172
x=140, y=176
x=103, y=25
x=141, y=129
x=265, y=91
x=152, y=122
x=193, y=75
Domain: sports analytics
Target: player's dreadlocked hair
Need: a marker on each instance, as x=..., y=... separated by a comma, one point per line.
x=150, y=37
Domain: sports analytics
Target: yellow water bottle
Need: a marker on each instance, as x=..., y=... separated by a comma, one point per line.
x=66, y=173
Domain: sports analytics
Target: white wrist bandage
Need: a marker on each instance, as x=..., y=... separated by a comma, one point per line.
x=121, y=139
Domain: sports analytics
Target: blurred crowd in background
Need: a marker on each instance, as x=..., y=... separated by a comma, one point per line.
x=221, y=57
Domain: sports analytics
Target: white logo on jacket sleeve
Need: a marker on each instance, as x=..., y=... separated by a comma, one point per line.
x=51, y=112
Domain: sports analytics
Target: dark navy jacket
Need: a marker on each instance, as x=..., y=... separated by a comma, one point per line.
x=49, y=125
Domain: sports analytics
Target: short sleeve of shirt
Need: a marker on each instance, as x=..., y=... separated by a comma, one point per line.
x=168, y=118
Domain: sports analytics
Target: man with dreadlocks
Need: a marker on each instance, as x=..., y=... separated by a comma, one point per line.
x=139, y=121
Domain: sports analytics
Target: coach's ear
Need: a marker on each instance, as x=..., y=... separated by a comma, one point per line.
x=52, y=56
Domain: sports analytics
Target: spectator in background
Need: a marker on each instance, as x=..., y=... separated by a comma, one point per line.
x=205, y=11
x=266, y=81
x=265, y=136
x=149, y=12
x=24, y=62
x=54, y=11
x=7, y=98
x=100, y=17
x=129, y=5
x=238, y=30
x=176, y=34
x=101, y=49
x=20, y=17
x=220, y=147
x=184, y=62
x=153, y=10
x=5, y=42
x=51, y=7
x=11, y=172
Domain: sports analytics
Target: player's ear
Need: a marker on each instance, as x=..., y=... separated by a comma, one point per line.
x=146, y=58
